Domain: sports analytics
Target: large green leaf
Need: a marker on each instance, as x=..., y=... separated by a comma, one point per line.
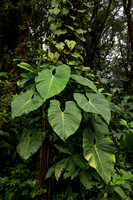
x=84, y=81
x=96, y=103
x=30, y=141
x=64, y=123
x=98, y=151
x=25, y=103
x=49, y=83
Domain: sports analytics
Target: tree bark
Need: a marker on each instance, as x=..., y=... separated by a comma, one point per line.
x=127, y=4
x=45, y=161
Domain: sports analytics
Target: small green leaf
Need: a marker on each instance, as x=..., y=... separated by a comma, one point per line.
x=72, y=62
x=126, y=175
x=54, y=57
x=58, y=172
x=64, y=123
x=77, y=55
x=81, y=11
x=61, y=32
x=60, y=46
x=4, y=134
x=114, y=107
x=70, y=27
x=56, y=3
x=26, y=66
x=71, y=44
x=29, y=143
x=55, y=11
x=52, y=27
x=100, y=90
x=65, y=11
x=63, y=163
x=119, y=191
x=84, y=81
x=80, y=31
x=65, y=1
x=123, y=122
x=73, y=17
x=66, y=52
x=70, y=170
x=131, y=124
x=127, y=186
x=96, y=103
x=99, y=152
x=3, y=74
x=62, y=149
x=50, y=18
x=81, y=37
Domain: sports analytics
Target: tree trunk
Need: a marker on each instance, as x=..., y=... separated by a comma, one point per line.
x=45, y=161
x=127, y=4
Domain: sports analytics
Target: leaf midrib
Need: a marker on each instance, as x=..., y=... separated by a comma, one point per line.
x=27, y=145
x=50, y=83
x=98, y=158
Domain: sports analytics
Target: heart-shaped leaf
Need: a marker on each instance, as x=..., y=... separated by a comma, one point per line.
x=70, y=43
x=64, y=123
x=51, y=82
x=60, y=46
x=84, y=81
x=98, y=151
x=30, y=141
x=96, y=104
x=54, y=57
x=25, y=103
